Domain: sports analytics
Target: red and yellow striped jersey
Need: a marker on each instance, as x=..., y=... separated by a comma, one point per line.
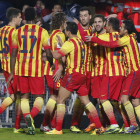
x=30, y=39
x=114, y=56
x=54, y=46
x=130, y=49
x=75, y=51
x=88, y=55
x=6, y=36
x=99, y=58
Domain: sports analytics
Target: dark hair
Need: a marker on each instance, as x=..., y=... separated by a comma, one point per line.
x=30, y=14
x=129, y=26
x=57, y=20
x=114, y=22
x=12, y=13
x=99, y=16
x=85, y=9
x=56, y=4
x=72, y=27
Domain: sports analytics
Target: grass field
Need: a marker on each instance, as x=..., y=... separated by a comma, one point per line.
x=7, y=134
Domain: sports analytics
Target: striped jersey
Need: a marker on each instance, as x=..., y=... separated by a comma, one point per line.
x=29, y=39
x=99, y=58
x=88, y=55
x=114, y=56
x=54, y=46
x=74, y=48
x=6, y=36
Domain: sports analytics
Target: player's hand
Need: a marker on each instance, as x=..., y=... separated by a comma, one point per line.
x=88, y=38
x=57, y=75
x=110, y=16
x=39, y=23
x=53, y=67
x=59, y=40
x=76, y=21
x=10, y=80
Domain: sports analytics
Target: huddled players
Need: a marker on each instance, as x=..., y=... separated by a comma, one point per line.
x=97, y=61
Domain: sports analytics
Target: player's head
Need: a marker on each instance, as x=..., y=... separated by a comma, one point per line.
x=112, y=25
x=30, y=14
x=57, y=8
x=127, y=27
x=24, y=7
x=71, y=29
x=58, y=21
x=98, y=22
x=84, y=16
x=14, y=15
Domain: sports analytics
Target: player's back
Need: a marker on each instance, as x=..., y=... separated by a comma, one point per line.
x=131, y=52
x=54, y=46
x=6, y=35
x=76, y=58
x=31, y=38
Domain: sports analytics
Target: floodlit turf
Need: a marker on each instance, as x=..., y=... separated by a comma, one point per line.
x=7, y=134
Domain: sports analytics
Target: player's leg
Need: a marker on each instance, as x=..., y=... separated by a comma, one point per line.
x=50, y=106
x=63, y=94
x=18, y=114
x=78, y=108
x=25, y=107
x=37, y=87
x=123, y=113
x=49, y=113
x=105, y=92
x=9, y=100
x=130, y=88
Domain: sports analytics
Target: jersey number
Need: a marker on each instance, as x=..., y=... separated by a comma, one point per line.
x=6, y=47
x=25, y=42
x=83, y=55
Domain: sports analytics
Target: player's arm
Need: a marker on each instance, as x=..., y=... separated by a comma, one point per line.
x=13, y=58
x=110, y=44
x=46, y=46
x=60, y=40
x=66, y=48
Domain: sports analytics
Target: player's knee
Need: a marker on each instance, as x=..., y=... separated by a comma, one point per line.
x=61, y=100
x=135, y=102
x=124, y=99
x=102, y=101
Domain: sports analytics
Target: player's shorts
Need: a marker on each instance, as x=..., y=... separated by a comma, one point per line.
x=35, y=85
x=52, y=85
x=75, y=82
x=111, y=88
x=88, y=81
x=131, y=84
x=14, y=86
x=96, y=85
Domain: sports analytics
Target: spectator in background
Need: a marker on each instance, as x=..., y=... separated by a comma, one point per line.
x=132, y=10
x=56, y=8
x=43, y=24
x=23, y=15
x=40, y=8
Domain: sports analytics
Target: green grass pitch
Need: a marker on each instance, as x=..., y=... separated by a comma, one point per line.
x=7, y=134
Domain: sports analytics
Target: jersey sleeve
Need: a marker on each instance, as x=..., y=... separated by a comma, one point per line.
x=45, y=39
x=66, y=48
x=112, y=44
x=15, y=39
